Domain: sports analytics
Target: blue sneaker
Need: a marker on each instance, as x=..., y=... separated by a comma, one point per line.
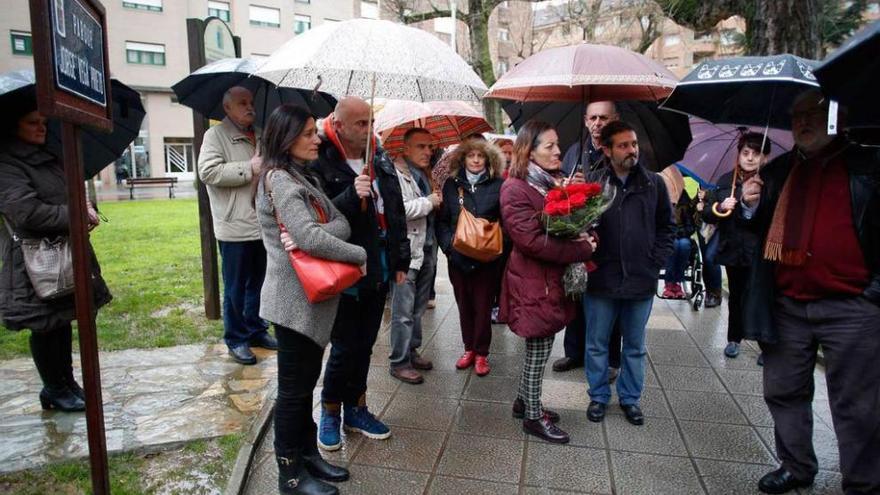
x=732, y=350
x=328, y=432
x=361, y=420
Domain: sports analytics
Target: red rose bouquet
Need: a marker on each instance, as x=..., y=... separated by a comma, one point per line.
x=570, y=211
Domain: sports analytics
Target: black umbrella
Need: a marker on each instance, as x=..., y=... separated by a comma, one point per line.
x=663, y=136
x=203, y=90
x=757, y=91
x=99, y=149
x=849, y=74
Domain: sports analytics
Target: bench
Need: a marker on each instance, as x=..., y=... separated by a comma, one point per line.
x=168, y=182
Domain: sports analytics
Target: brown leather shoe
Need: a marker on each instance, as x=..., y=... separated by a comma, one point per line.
x=420, y=363
x=407, y=374
x=544, y=428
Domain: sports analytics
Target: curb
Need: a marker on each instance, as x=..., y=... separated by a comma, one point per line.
x=238, y=479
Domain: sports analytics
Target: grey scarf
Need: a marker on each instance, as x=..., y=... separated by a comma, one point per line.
x=540, y=179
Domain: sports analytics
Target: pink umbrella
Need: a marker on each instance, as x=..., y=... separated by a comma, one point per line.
x=448, y=121
x=585, y=73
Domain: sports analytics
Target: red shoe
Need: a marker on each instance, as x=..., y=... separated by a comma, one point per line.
x=466, y=360
x=482, y=366
x=679, y=292
x=669, y=291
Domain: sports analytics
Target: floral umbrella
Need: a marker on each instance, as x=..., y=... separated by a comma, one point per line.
x=448, y=121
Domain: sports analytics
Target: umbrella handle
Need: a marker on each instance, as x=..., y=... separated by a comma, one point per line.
x=727, y=213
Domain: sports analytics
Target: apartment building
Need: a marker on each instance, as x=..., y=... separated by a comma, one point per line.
x=148, y=51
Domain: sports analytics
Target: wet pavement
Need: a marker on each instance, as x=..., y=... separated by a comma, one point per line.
x=707, y=429
x=152, y=397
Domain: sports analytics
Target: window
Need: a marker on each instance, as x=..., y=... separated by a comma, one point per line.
x=330, y=20
x=21, y=43
x=301, y=23
x=179, y=156
x=703, y=37
x=265, y=16
x=369, y=10
x=219, y=9
x=144, y=53
x=151, y=5
x=729, y=37
x=503, y=34
x=502, y=67
x=671, y=40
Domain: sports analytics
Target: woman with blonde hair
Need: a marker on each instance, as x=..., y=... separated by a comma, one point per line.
x=474, y=184
x=533, y=300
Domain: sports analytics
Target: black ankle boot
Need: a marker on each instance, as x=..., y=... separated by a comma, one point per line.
x=294, y=479
x=323, y=470
x=64, y=349
x=62, y=399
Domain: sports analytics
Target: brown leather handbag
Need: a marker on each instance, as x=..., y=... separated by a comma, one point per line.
x=476, y=238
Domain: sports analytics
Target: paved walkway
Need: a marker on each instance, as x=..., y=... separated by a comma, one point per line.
x=707, y=429
x=152, y=397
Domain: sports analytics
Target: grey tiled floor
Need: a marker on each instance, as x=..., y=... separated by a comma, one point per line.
x=707, y=429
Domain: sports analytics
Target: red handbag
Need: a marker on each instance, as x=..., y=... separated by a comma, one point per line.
x=321, y=279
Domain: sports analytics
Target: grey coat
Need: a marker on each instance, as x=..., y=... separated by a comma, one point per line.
x=282, y=300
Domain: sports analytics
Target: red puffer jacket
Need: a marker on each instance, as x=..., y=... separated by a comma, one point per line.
x=533, y=300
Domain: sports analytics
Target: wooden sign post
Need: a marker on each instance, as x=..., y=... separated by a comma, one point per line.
x=73, y=85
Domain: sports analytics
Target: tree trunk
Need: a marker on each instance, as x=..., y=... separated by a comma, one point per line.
x=481, y=58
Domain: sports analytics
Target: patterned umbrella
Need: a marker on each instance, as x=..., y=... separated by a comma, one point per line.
x=344, y=58
x=756, y=91
x=585, y=73
x=448, y=121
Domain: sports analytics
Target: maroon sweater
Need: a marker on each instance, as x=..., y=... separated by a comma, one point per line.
x=835, y=263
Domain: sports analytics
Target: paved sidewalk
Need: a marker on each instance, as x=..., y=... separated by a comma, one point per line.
x=152, y=397
x=707, y=429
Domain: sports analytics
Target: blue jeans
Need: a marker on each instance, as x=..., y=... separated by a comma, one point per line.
x=711, y=270
x=243, y=265
x=409, y=301
x=678, y=260
x=632, y=316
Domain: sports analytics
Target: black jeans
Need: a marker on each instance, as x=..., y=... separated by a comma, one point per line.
x=737, y=282
x=849, y=333
x=354, y=332
x=575, y=340
x=299, y=365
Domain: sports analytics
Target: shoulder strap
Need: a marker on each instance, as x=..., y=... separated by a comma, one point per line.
x=319, y=210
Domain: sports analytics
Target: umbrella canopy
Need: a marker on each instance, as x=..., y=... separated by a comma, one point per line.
x=203, y=90
x=344, y=57
x=663, y=136
x=755, y=91
x=448, y=121
x=585, y=72
x=713, y=153
x=849, y=74
x=98, y=149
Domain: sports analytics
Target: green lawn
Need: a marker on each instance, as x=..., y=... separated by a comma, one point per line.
x=149, y=254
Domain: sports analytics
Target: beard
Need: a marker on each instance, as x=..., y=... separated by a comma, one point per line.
x=627, y=163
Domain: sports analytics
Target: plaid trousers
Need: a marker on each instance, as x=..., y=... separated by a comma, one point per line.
x=537, y=354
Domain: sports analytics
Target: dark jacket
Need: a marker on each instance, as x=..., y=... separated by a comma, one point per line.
x=683, y=217
x=593, y=158
x=737, y=245
x=33, y=199
x=533, y=300
x=635, y=236
x=483, y=200
x=863, y=165
x=338, y=182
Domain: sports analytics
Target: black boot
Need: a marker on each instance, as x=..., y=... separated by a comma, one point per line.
x=323, y=470
x=294, y=478
x=65, y=357
x=55, y=393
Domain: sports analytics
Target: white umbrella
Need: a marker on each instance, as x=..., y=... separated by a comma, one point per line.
x=348, y=58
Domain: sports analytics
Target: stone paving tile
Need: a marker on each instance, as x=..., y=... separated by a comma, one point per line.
x=824, y=445
x=705, y=406
x=731, y=478
x=490, y=459
x=492, y=388
x=570, y=468
x=446, y=485
x=680, y=356
x=725, y=442
x=583, y=433
x=743, y=381
x=636, y=474
x=686, y=378
x=487, y=419
x=448, y=384
x=653, y=404
x=407, y=449
x=755, y=408
x=420, y=411
x=370, y=479
x=656, y=436
x=667, y=337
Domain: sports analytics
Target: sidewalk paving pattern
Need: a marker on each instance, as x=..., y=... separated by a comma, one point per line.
x=152, y=397
x=707, y=429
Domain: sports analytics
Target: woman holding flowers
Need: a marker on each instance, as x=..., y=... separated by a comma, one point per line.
x=474, y=184
x=533, y=299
